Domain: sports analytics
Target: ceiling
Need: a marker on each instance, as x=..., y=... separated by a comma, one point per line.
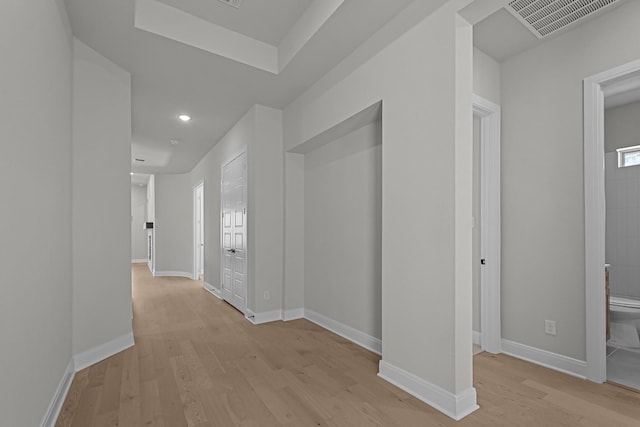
x=502, y=36
x=170, y=77
x=267, y=21
x=214, y=85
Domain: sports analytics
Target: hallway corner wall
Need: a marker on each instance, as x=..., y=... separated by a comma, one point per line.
x=102, y=309
x=35, y=247
x=259, y=132
x=173, y=226
x=424, y=79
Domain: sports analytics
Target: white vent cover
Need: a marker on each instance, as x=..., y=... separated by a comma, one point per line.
x=546, y=17
x=234, y=3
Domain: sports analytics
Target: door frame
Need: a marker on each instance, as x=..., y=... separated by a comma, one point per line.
x=595, y=210
x=196, y=238
x=490, y=224
x=231, y=158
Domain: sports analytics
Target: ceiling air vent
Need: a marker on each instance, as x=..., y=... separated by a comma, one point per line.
x=546, y=17
x=234, y=3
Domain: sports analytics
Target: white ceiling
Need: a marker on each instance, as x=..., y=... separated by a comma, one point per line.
x=267, y=21
x=170, y=78
x=502, y=36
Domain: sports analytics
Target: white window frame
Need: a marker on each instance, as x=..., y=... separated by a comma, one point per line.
x=626, y=150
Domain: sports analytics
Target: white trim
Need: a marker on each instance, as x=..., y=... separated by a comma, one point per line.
x=490, y=250
x=594, y=215
x=454, y=406
x=59, y=397
x=102, y=351
x=213, y=290
x=557, y=362
x=357, y=337
x=139, y=261
x=293, y=314
x=477, y=338
x=196, y=273
x=265, y=317
x=173, y=274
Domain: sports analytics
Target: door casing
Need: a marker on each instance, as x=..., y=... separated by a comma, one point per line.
x=198, y=232
x=490, y=251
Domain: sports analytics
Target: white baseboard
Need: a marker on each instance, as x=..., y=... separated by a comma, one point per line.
x=215, y=291
x=173, y=274
x=265, y=317
x=454, y=406
x=358, y=337
x=101, y=352
x=557, y=362
x=293, y=314
x=55, y=406
x=477, y=338
x=139, y=261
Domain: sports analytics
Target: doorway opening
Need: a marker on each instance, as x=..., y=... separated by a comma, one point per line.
x=488, y=335
x=624, y=79
x=198, y=232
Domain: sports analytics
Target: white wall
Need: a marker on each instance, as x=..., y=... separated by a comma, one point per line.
x=138, y=218
x=486, y=76
x=101, y=200
x=35, y=218
x=209, y=171
x=266, y=209
x=294, y=258
x=621, y=127
x=259, y=132
x=424, y=80
x=542, y=178
x=342, y=230
x=151, y=199
x=173, y=229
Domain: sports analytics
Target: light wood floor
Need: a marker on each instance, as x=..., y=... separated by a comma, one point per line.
x=197, y=362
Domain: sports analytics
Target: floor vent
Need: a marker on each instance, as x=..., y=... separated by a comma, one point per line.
x=234, y=3
x=546, y=17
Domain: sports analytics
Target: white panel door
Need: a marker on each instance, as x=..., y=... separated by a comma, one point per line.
x=234, y=233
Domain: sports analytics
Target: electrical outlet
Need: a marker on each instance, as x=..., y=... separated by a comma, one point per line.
x=266, y=295
x=550, y=327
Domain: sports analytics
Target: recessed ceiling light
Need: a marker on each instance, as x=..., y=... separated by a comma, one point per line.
x=174, y=141
x=131, y=173
x=234, y=3
x=184, y=117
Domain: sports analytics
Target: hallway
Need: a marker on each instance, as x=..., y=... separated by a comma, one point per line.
x=197, y=362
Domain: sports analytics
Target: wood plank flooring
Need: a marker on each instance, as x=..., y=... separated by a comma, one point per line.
x=198, y=363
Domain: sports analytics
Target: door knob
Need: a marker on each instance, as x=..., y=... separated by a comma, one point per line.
x=233, y=251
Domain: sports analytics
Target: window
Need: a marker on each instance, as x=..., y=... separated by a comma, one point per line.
x=629, y=156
